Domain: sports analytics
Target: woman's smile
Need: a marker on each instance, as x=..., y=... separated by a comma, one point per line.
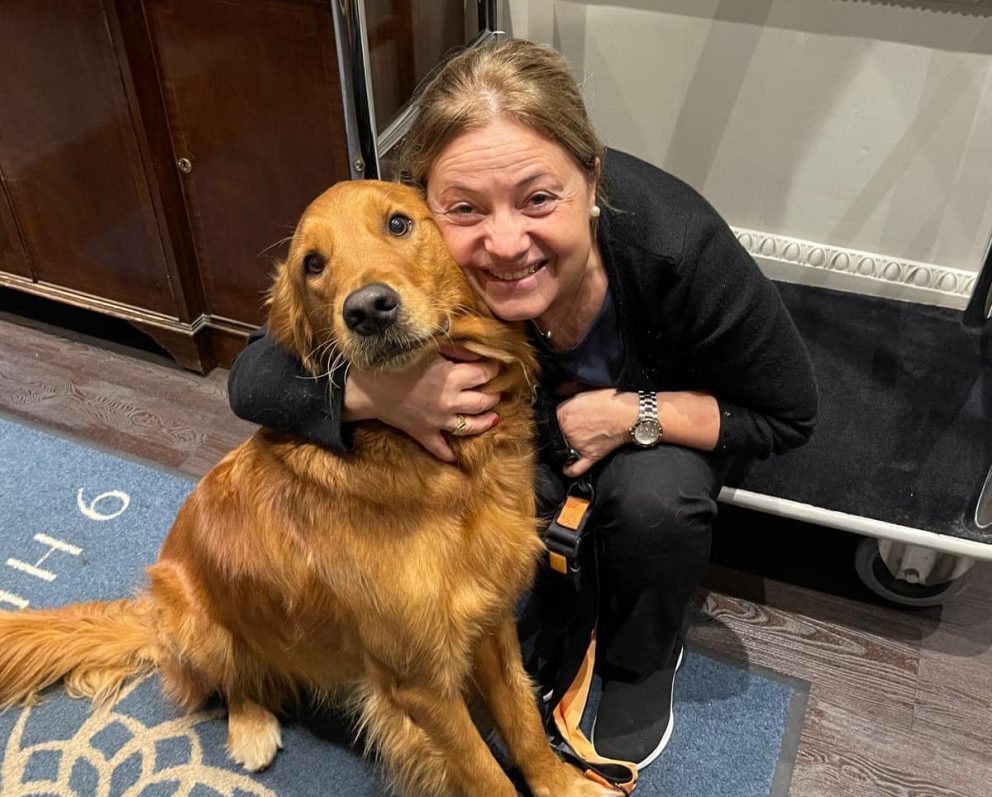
x=514, y=276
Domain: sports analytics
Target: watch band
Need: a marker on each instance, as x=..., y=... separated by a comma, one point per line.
x=647, y=406
x=647, y=432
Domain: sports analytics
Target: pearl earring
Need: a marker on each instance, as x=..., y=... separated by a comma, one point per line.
x=596, y=211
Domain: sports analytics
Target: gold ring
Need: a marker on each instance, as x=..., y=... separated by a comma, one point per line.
x=460, y=425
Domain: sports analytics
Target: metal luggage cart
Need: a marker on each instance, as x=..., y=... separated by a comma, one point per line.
x=903, y=446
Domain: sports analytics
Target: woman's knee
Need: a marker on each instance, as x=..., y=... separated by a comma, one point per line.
x=658, y=518
x=658, y=500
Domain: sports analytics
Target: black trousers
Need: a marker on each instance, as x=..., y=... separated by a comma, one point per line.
x=651, y=521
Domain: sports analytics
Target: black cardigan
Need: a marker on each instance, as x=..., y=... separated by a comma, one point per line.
x=694, y=309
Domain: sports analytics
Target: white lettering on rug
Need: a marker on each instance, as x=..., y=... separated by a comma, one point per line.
x=36, y=569
x=106, y=506
x=90, y=510
x=13, y=600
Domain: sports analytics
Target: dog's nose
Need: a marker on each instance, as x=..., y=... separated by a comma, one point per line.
x=371, y=309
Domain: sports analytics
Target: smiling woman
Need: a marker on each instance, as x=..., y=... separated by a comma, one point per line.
x=666, y=358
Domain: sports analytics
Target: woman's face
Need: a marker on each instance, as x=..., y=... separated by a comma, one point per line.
x=514, y=210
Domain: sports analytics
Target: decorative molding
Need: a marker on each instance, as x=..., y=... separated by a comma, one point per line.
x=795, y=260
x=126, y=312
x=970, y=7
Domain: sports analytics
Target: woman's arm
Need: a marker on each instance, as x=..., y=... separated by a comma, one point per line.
x=742, y=345
x=427, y=398
x=752, y=386
x=269, y=386
x=596, y=422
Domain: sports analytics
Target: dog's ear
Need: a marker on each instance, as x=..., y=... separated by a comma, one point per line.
x=497, y=340
x=289, y=323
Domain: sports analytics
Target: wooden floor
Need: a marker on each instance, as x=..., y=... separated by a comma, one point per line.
x=900, y=703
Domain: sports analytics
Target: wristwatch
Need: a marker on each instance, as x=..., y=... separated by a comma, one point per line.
x=647, y=432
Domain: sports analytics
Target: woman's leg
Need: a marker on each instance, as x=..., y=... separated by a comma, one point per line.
x=652, y=520
x=654, y=515
x=654, y=512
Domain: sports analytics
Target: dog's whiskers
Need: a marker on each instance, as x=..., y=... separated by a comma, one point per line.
x=338, y=363
x=280, y=242
x=320, y=354
x=322, y=351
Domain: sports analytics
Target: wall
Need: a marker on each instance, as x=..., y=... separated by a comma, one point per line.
x=848, y=142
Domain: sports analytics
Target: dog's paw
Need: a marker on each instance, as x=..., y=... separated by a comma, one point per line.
x=254, y=740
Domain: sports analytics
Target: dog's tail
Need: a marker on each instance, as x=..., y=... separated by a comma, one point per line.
x=93, y=647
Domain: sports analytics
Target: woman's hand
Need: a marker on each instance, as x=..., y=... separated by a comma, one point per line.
x=427, y=399
x=594, y=423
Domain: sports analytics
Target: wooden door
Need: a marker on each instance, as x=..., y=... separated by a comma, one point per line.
x=70, y=159
x=253, y=102
x=12, y=257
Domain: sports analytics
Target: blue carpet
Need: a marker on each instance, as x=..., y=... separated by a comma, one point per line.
x=78, y=523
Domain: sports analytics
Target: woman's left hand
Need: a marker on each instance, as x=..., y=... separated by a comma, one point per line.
x=594, y=423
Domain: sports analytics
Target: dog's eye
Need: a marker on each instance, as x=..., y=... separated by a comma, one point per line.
x=313, y=263
x=399, y=225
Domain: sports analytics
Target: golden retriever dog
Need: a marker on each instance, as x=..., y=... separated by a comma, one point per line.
x=384, y=576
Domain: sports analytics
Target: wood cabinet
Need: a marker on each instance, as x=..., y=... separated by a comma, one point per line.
x=12, y=258
x=154, y=154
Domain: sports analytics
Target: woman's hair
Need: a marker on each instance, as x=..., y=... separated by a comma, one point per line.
x=511, y=79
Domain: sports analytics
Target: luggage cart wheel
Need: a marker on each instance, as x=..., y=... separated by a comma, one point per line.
x=910, y=575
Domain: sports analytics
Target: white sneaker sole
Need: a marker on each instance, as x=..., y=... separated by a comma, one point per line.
x=667, y=735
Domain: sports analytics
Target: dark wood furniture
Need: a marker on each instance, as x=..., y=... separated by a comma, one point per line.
x=154, y=154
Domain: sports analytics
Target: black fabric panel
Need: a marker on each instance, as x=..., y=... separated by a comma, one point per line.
x=903, y=433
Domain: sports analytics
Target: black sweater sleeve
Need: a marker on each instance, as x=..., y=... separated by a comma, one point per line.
x=269, y=386
x=699, y=314
x=745, y=347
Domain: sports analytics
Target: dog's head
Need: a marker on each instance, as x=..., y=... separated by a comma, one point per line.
x=368, y=277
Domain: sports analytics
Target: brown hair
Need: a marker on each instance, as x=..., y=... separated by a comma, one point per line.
x=527, y=82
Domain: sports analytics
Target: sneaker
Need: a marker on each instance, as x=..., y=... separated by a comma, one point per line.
x=634, y=721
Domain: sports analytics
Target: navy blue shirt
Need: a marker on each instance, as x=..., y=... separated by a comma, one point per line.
x=596, y=360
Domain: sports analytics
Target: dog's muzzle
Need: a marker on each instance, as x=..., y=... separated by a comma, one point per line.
x=372, y=309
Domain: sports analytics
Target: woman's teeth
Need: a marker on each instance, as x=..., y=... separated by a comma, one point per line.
x=509, y=276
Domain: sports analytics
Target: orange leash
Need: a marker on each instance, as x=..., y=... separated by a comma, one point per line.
x=563, y=539
x=567, y=715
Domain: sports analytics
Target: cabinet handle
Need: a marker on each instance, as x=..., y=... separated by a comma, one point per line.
x=185, y=165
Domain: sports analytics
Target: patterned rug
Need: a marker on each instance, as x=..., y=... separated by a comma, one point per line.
x=78, y=523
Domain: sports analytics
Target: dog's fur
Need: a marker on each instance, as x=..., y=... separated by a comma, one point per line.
x=383, y=574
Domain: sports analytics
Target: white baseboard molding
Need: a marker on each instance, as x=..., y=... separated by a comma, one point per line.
x=808, y=263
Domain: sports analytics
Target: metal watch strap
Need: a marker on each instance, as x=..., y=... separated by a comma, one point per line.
x=647, y=406
x=647, y=432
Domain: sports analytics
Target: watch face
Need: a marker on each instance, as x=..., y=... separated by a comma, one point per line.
x=646, y=433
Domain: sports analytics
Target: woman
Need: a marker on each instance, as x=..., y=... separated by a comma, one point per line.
x=670, y=357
